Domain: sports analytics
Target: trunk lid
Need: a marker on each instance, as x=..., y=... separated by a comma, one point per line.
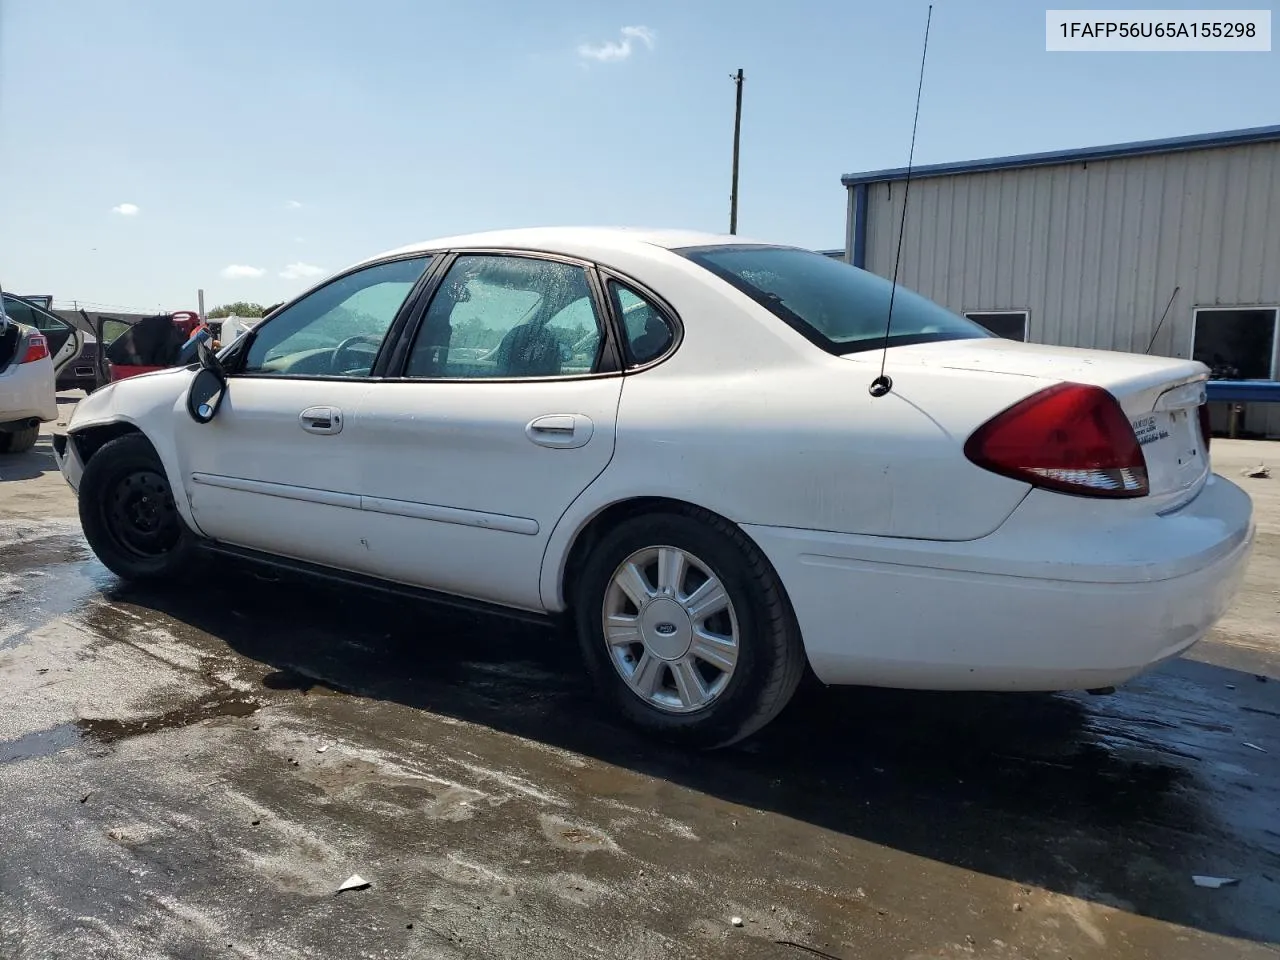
x=1159, y=395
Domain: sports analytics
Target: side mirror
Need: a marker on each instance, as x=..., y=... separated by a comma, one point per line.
x=205, y=394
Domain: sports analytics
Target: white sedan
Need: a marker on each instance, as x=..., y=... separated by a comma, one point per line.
x=35, y=346
x=684, y=443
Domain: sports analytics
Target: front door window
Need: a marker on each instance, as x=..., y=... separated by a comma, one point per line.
x=337, y=330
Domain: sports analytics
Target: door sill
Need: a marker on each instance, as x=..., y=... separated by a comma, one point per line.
x=363, y=582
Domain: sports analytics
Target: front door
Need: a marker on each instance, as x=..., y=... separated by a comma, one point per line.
x=504, y=414
x=278, y=469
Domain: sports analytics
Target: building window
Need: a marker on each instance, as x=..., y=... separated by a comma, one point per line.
x=1236, y=344
x=1010, y=324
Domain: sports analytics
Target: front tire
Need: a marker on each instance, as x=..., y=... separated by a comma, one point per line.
x=19, y=441
x=686, y=630
x=128, y=513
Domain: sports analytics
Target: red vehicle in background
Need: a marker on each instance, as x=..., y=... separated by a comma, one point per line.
x=155, y=343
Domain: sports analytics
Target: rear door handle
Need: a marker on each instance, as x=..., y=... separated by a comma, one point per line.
x=565, y=430
x=322, y=419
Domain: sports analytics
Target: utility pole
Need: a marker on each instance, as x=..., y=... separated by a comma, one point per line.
x=737, y=134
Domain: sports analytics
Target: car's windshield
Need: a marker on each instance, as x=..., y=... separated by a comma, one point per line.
x=837, y=306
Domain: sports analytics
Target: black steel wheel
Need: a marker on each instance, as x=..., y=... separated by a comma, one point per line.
x=128, y=512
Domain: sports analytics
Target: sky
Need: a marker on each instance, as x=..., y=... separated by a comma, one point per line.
x=250, y=148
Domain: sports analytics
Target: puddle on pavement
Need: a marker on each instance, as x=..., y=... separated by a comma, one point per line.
x=40, y=743
x=226, y=704
x=45, y=578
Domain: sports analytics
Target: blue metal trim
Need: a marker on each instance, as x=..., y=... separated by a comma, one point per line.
x=1242, y=391
x=861, y=201
x=1200, y=141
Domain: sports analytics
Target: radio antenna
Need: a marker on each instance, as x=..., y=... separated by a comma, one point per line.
x=1156, y=332
x=882, y=384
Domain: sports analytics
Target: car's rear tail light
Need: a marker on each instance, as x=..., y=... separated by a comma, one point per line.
x=1071, y=437
x=1206, y=430
x=37, y=348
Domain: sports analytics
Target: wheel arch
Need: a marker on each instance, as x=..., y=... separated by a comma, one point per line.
x=89, y=440
x=91, y=437
x=558, y=593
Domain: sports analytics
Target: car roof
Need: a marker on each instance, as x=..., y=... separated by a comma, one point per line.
x=584, y=242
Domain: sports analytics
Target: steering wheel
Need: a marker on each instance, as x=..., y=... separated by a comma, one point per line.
x=346, y=345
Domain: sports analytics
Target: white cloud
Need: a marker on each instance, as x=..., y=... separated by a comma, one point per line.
x=301, y=271
x=238, y=271
x=293, y=205
x=611, y=50
x=126, y=209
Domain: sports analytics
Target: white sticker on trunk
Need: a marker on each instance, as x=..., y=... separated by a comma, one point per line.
x=1150, y=429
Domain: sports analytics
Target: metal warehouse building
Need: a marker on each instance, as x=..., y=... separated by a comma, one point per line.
x=1088, y=247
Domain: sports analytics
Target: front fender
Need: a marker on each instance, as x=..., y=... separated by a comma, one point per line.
x=149, y=404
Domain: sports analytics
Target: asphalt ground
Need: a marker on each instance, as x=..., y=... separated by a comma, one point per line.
x=192, y=773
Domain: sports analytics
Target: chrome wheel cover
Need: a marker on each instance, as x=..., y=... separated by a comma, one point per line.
x=670, y=629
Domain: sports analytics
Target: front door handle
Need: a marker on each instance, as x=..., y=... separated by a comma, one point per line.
x=564, y=430
x=322, y=419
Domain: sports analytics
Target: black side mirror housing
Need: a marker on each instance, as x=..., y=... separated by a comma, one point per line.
x=205, y=394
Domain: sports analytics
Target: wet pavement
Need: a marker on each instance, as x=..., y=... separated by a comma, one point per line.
x=192, y=773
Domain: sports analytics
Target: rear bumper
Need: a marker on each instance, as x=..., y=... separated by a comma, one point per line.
x=1034, y=606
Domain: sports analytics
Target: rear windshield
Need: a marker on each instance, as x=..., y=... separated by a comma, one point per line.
x=839, y=307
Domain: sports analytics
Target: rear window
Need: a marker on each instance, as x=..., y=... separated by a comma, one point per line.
x=839, y=307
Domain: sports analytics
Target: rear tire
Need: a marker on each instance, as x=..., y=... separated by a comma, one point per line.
x=128, y=513
x=689, y=663
x=19, y=441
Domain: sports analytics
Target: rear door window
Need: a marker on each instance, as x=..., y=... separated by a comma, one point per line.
x=508, y=317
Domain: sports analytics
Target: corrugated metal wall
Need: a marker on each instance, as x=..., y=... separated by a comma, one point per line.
x=1093, y=251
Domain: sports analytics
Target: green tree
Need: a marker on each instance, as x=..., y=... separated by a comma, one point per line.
x=241, y=308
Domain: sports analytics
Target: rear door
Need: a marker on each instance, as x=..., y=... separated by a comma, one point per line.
x=64, y=338
x=505, y=411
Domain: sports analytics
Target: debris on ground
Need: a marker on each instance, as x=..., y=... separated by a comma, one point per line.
x=1254, y=746
x=322, y=749
x=354, y=882
x=1213, y=883
x=736, y=921
x=1260, y=472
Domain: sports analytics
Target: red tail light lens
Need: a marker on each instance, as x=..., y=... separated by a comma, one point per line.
x=37, y=348
x=1071, y=437
x=1205, y=430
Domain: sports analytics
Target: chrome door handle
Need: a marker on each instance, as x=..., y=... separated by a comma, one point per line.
x=566, y=430
x=322, y=419
x=562, y=423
